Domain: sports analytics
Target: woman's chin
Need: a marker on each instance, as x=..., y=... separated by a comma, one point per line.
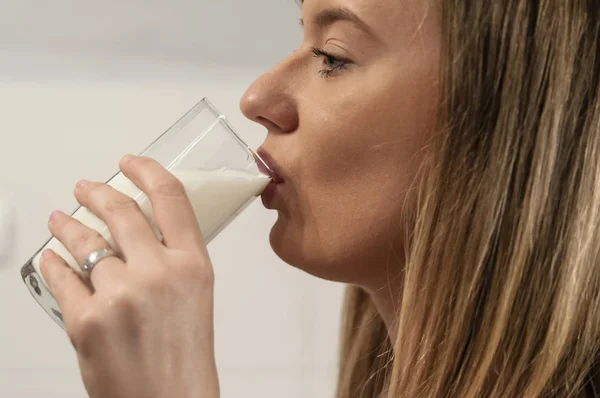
x=293, y=246
x=282, y=242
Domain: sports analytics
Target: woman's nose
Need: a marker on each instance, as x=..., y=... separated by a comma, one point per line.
x=271, y=101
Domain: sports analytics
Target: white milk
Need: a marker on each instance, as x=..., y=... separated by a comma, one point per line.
x=216, y=196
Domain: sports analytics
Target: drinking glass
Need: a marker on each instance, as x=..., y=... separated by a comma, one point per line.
x=220, y=172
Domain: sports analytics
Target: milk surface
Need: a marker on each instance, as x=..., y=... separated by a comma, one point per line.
x=216, y=196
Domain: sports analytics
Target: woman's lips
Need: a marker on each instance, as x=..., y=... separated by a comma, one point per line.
x=267, y=165
x=268, y=195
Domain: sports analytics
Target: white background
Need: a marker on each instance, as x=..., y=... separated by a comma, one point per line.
x=81, y=83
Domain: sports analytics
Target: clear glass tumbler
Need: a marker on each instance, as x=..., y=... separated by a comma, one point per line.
x=218, y=169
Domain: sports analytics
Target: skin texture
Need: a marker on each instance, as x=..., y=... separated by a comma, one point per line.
x=348, y=145
x=347, y=137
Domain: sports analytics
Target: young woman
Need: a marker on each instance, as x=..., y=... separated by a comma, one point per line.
x=442, y=157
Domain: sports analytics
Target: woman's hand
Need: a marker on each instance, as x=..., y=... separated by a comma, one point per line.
x=147, y=329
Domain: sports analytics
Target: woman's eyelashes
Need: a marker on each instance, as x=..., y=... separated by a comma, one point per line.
x=331, y=63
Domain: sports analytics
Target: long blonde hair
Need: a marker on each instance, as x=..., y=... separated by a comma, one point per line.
x=501, y=294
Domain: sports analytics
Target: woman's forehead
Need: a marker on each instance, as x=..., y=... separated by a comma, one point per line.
x=389, y=20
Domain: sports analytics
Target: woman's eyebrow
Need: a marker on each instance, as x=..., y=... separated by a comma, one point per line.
x=329, y=16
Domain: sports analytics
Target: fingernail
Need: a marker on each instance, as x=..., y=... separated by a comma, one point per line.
x=56, y=215
x=128, y=158
x=47, y=254
x=82, y=184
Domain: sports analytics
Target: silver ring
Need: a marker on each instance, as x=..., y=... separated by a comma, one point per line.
x=96, y=256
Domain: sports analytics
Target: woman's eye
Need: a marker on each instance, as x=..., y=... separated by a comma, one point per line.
x=331, y=63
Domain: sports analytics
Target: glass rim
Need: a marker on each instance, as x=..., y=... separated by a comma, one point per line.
x=201, y=105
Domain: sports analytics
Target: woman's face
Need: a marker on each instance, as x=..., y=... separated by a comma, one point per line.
x=348, y=114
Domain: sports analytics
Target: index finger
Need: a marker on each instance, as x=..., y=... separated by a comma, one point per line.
x=172, y=209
